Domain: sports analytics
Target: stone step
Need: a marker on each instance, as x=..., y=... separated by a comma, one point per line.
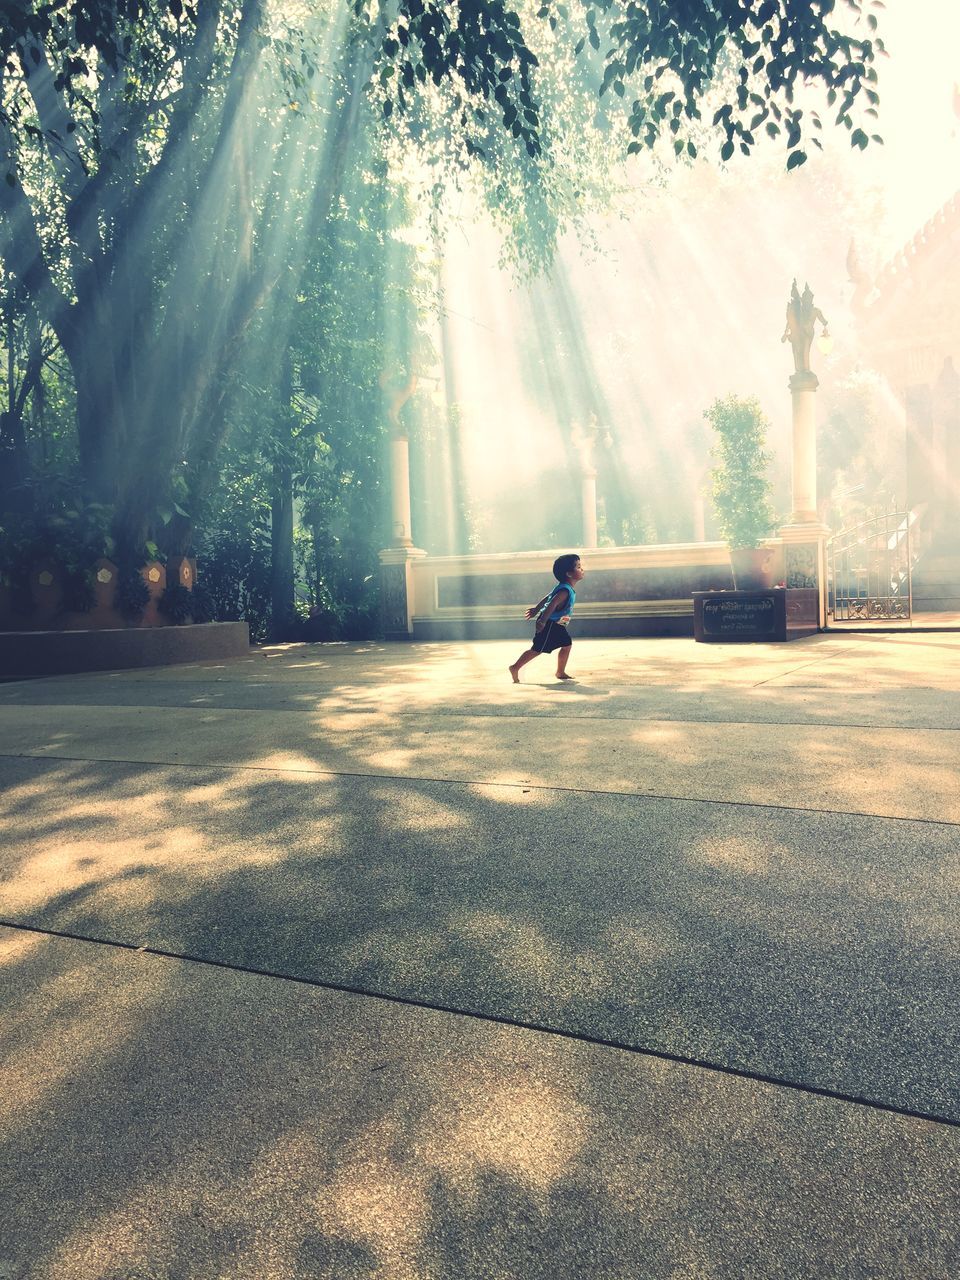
x=936, y=580
x=924, y=587
x=938, y=572
x=939, y=564
x=936, y=604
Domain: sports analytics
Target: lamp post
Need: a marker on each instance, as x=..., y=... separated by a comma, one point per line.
x=804, y=538
x=802, y=318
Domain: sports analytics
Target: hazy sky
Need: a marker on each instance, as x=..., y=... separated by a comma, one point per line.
x=919, y=165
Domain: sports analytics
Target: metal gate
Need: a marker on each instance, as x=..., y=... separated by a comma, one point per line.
x=869, y=567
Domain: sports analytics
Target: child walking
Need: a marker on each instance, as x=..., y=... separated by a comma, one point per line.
x=552, y=614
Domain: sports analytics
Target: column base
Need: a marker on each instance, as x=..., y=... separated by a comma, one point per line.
x=396, y=590
x=804, y=558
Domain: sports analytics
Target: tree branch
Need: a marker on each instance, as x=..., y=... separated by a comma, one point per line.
x=55, y=121
x=197, y=68
x=22, y=249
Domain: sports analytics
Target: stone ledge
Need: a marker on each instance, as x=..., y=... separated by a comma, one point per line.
x=49, y=653
x=493, y=628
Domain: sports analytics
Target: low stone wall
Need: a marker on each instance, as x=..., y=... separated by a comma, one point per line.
x=626, y=591
x=25, y=654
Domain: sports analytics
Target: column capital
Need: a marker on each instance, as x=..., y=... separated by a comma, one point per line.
x=401, y=555
x=804, y=530
x=805, y=380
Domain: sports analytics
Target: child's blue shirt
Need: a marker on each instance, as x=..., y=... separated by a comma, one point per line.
x=560, y=611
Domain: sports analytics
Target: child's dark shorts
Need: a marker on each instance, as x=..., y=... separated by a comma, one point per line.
x=553, y=636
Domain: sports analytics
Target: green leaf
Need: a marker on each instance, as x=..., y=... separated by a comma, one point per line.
x=795, y=159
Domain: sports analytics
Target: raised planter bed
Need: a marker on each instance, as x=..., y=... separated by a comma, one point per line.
x=26, y=654
x=780, y=613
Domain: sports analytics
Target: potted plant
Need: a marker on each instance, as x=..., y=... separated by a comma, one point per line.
x=741, y=488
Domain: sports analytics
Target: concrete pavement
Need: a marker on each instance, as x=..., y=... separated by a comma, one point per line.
x=357, y=960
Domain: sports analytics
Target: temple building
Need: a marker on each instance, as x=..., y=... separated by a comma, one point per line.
x=909, y=320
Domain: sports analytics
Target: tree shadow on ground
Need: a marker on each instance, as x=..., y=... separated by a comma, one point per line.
x=803, y=947
x=189, y=1121
x=169, y=1120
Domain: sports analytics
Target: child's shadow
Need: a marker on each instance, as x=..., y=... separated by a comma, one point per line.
x=573, y=686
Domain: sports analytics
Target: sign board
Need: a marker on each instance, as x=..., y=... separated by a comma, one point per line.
x=778, y=614
x=741, y=616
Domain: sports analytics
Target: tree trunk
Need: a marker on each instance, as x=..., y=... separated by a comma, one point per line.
x=15, y=494
x=282, y=575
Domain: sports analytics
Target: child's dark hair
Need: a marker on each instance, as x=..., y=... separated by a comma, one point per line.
x=564, y=565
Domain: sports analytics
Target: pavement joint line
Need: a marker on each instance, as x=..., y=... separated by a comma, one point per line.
x=419, y=712
x=803, y=666
x=431, y=1006
x=487, y=782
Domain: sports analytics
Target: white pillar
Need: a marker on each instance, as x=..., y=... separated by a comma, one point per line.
x=400, y=492
x=588, y=496
x=699, y=517
x=803, y=387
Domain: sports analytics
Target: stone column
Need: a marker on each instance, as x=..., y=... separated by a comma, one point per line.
x=805, y=538
x=588, y=498
x=699, y=515
x=397, y=390
x=397, y=586
x=803, y=386
x=400, y=528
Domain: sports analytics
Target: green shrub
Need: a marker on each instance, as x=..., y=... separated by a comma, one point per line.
x=741, y=488
x=132, y=595
x=177, y=603
x=78, y=592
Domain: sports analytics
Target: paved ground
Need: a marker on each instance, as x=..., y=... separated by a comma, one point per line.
x=349, y=961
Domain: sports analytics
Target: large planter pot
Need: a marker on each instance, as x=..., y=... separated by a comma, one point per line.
x=752, y=568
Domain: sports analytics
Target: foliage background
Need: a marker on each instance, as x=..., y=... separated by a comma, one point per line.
x=221, y=234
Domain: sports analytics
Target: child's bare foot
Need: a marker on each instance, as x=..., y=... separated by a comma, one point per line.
x=515, y=673
x=562, y=675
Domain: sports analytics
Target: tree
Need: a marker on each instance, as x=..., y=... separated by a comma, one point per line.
x=27, y=348
x=741, y=488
